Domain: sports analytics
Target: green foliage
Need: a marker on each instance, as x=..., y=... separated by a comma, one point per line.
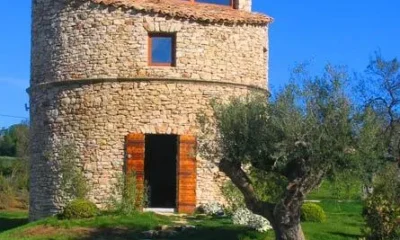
x=7, y=192
x=371, y=146
x=14, y=185
x=14, y=169
x=308, y=120
x=382, y=219
x=127, y=198
x=72, y=183
x=311, y=212
x=6, y=165
x=80, y=208
x=14, y=140
x=379, y=90
x=346, y=185
x=341, y=188
x=269, y=187
x=233, y=197
x=382, y=209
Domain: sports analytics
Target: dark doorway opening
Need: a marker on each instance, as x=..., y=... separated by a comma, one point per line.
x=160, y=170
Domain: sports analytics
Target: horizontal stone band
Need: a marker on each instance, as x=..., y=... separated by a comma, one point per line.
x=138, y=79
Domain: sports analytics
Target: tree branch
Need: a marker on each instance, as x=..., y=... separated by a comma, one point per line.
x=243, y=183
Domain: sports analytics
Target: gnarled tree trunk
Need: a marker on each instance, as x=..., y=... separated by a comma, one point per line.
x=283, y=216
x=286, y=220
x=287, y=232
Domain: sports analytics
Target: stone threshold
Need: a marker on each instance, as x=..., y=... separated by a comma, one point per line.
x=160, y=210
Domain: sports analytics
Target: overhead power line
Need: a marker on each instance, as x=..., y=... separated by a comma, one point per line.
x=11, y=116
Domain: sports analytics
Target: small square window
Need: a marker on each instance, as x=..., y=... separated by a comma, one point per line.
x=162, y=49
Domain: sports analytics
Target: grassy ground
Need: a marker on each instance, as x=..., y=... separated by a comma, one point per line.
x=12, y=219
x=343, y=190
x=344, y=222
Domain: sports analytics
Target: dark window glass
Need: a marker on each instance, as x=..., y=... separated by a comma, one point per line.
x=220, y=2
x=162, y=50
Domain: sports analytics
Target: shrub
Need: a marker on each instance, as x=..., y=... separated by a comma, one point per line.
x=245, y=217
x=126, y=198
x=80, y=208
x=311, y=212
x=73, y=183
x=381, y=218
x=382, y=209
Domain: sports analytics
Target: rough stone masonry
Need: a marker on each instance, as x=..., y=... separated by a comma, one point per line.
x=91, y=82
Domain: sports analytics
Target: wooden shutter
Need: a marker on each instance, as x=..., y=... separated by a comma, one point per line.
x=186, y=196
x=135, y=151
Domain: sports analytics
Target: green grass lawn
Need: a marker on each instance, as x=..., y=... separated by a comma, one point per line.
x=344, y=222
x=339, y=191
x=10, y=220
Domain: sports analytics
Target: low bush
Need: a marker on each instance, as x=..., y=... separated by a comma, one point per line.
x=73, y=183
x=245, y=217
x=127, y=198
x=311, y=212
x=381, y=210
x=80, y=208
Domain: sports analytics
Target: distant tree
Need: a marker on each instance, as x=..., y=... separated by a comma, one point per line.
x=14, y=141
x=371, y=147
x=379, y=96
x=379, y=90
x=302, y=134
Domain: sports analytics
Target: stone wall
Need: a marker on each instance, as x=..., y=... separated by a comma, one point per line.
x=93, y=41
x=98, y=116
x=91, y=84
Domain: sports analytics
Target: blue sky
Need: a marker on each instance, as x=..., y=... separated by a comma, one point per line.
x=341, y=32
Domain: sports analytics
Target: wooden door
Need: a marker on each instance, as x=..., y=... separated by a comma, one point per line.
x=186, y=169
x=135, y=151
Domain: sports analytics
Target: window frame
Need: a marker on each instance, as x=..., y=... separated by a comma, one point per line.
x=232, y=5
x=152, y=35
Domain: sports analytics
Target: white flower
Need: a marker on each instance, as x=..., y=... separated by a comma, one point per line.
x=213, y=209
x=246, y=218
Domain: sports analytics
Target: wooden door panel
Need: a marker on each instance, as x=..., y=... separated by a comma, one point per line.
x=186, y=196
x=135, y=153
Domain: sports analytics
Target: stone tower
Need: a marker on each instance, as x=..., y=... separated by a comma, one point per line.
x=124, y=79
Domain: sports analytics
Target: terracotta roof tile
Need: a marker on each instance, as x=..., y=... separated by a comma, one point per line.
x=210, y=13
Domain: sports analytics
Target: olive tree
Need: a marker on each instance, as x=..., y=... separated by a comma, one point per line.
x=378, y=94
x=300, y=134
x=379, y=90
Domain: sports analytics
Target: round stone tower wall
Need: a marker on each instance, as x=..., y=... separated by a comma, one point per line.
x=91, y=84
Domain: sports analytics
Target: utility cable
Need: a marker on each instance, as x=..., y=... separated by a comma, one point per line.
x=11, y=116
